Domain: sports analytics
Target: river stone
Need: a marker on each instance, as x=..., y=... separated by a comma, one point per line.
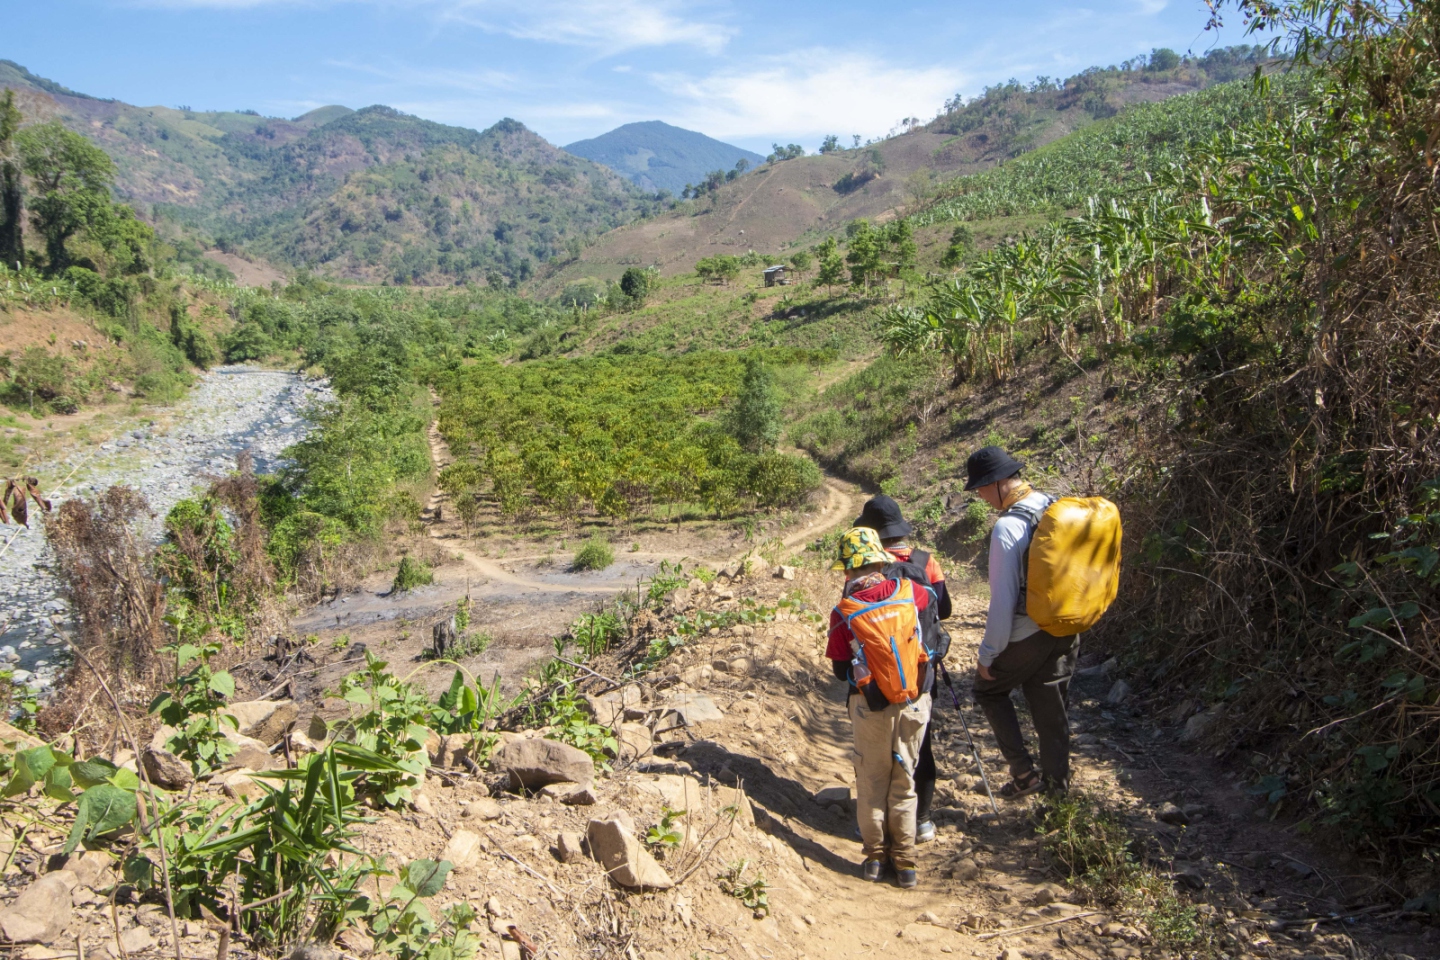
x=1118, y=694
x=533, y=763
x=42, y=911
x=263, y=720
x=624, y=860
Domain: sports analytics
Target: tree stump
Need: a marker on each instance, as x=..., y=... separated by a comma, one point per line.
x=442, y=638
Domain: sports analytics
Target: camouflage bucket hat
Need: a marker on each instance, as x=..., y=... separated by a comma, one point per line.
x=859, y=547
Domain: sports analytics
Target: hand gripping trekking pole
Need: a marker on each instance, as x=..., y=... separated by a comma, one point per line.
x=974, y=750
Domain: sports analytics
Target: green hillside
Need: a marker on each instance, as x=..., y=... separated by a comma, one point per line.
x=373, y=194
x=658, y=156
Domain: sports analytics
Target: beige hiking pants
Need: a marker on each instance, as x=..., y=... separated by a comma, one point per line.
x=887, y=744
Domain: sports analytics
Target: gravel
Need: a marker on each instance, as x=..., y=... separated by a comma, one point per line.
x=232, y=409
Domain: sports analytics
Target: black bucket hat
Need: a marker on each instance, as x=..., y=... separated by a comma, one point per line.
x=987, y=465
x=882, y=515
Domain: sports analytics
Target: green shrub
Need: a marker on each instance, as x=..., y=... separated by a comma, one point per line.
x=412, y=573
x=247, y=342
x=594, y=554
x=393, y=725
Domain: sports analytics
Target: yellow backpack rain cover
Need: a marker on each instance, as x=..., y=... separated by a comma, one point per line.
x=1074, y=569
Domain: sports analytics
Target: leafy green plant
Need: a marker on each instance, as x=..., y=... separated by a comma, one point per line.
x=392, y=726
x=404, y=927
x=594, y=554
x=107, y=799
x=594, y=632
x=754, y=892
x=410, y=574
x=665, y=835
x=572, y=725
x=193, y=704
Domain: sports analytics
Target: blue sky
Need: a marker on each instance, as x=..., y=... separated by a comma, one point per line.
x=747, y=72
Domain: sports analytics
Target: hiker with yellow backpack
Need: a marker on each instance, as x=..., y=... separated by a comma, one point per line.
x=876, y=646
x=1054, y=569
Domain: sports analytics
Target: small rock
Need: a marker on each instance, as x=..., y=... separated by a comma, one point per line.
x=166, y=770
x=485, y=809
x=964, y=869
x=1189, y=876
x=422, y=804
x=463, y=849
x=533, y=763
x=693, y=708
x=1047, y=893
x=238, y=785
x=634, y=740
x=1118, y=694
x=927, y=917
x=42, y=911
x=263, y=720
x=741, y=666
x=91, y=868
x=493, y=908
x=581, y=796
x=1171, y=814
x=569, y=847
x=1299, y=869
x=1198, y=725
x=624, y=860
x=136, y=939
x=1011, y=953
x=783, y=572
x=720, y=666
x=839, y=793
x=356, y=942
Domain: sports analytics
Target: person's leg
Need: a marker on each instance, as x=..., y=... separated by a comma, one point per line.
x=1011, y=669
x=873, y=733
x=909, y=730
x=1047, y=692
x=925, y=774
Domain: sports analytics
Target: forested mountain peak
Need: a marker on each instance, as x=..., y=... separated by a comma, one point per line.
x=658, y=156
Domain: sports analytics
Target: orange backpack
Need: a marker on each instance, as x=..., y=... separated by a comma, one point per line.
x=888, y=632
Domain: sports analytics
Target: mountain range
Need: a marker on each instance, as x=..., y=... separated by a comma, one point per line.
x=658, y=156
x=371, y=194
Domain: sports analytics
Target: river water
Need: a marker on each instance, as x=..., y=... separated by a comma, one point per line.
x=232, y=409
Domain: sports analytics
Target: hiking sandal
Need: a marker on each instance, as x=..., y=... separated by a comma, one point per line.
x=1022, y=786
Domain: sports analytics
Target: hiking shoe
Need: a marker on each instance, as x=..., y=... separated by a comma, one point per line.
x=1022, y=786
x=925, y=831
x=871, y=870
x=907, y=878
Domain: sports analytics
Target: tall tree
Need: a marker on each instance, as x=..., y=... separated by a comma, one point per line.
x=832, y=265
x=12, y=242
x=754, y=421
x=71, y=178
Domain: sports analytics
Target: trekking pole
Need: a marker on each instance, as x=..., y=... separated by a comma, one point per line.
x=974, y=750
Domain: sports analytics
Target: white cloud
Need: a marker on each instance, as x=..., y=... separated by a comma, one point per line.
x=809, y=94
x=609, y=26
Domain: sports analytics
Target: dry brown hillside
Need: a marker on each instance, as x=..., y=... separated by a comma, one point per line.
x=796, y=200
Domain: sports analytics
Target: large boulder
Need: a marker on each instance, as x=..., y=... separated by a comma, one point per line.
x=42, y=911
x=624, y=859
x=532, y=764
x=263, y=720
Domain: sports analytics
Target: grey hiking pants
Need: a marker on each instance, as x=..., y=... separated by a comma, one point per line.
x=1041, y=666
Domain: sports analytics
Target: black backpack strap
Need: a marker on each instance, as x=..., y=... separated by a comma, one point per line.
x=921, y=559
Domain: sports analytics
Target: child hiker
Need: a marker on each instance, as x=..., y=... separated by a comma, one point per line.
x=875, y=646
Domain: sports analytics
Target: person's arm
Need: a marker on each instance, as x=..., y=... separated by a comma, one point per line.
x=838, y=649
x=841, y=669
x=942, y=598
x=1007, y=550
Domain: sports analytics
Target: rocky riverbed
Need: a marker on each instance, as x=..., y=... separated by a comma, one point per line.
x=167, y=456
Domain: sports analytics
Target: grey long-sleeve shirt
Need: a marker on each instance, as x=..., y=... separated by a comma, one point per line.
x=1007, y=621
